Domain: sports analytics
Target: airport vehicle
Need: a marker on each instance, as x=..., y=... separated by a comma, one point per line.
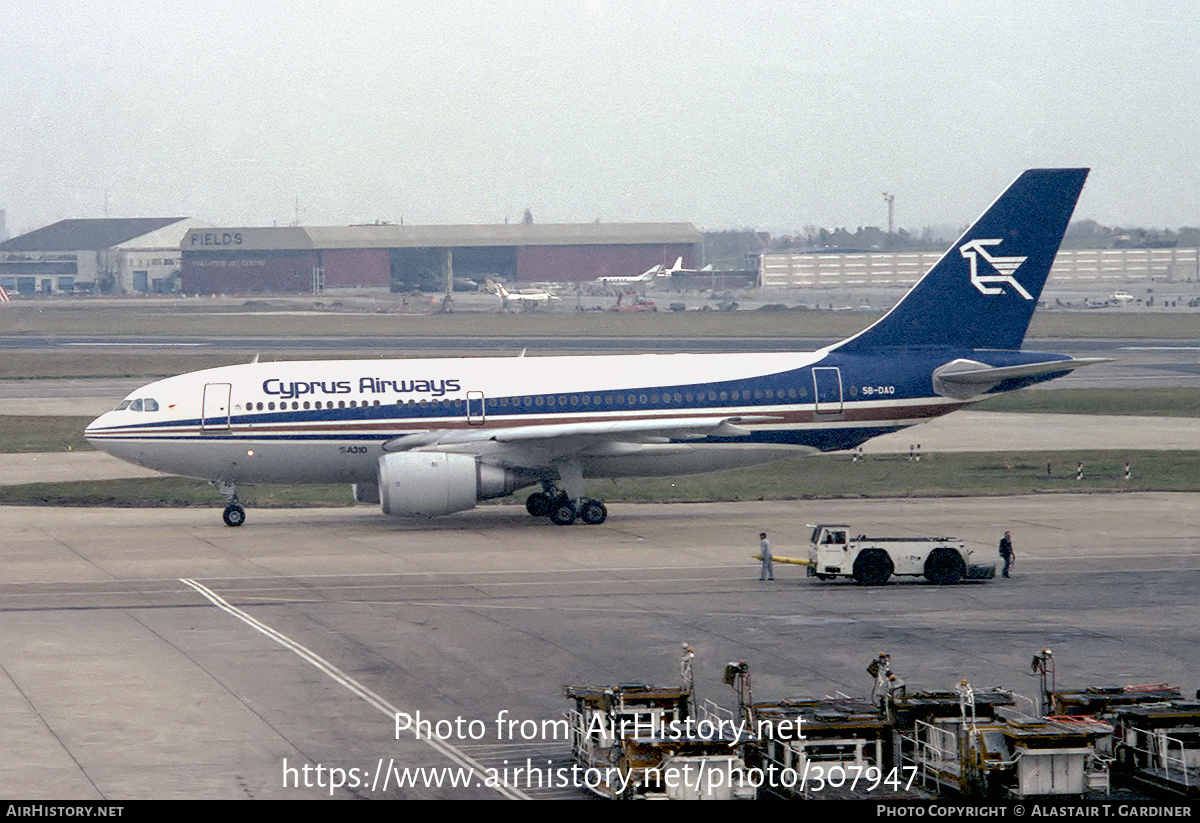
x=636, y=302
x=427, y=437
x=647, y=743
x=872, y=561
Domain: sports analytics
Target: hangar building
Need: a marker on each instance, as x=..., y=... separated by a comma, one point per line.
x=104, y=255
x=387, y=257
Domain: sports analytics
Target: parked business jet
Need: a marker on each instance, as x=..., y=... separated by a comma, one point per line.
x=434, y=436
x=647, y=276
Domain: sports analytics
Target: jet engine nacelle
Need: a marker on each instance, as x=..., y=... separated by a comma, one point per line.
x=426, y=484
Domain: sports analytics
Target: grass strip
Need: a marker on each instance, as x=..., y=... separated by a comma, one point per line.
x=205, y=319
x=1150, y=402
x=20, y=434
x=818, y=477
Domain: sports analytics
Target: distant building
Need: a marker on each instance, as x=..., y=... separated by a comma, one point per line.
x=99, y=256
x=1074, y=268
x=384, y=257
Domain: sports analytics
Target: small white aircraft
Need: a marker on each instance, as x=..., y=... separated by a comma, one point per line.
x=524, y=296
x=434, y=436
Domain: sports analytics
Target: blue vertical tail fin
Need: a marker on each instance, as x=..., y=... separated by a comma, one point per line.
x=982, y=292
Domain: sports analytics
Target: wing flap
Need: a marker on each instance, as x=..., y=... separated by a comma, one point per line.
x=595, y=431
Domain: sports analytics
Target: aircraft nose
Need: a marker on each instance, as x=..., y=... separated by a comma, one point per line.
x=92, y=429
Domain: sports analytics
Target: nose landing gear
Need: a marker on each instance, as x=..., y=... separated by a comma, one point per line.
x=234, y=515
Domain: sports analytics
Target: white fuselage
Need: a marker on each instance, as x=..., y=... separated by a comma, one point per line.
x=329, y=422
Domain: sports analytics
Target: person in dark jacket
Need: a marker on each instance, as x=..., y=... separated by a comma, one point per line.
x=1006, y=552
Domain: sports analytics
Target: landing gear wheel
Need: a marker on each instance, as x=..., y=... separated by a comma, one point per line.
x=538, y=504
x=234, y=515
x=562, y=512
x=593, y=512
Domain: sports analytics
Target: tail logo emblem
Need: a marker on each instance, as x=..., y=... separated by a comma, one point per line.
x=1005, y=267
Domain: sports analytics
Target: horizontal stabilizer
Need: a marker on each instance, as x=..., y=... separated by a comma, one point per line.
x=962, y=379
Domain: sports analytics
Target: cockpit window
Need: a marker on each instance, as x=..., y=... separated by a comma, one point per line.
x=140, y=404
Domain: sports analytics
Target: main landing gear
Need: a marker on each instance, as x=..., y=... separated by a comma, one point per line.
x=564, y=511
x=561, y=498
x=234, y=515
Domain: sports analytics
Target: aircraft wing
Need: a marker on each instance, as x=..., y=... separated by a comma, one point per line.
x=967, y=378
x=577, y=437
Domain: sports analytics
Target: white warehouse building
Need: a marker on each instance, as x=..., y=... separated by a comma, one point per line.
x=96, y=256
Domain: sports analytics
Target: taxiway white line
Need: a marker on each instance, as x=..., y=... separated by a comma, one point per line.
x=447, y=750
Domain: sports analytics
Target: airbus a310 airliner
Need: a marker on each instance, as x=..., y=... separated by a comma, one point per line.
x=434, y=436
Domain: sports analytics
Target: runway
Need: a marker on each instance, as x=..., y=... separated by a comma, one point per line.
x=121, y=678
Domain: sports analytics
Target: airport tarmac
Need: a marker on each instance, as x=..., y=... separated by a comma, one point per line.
x=159, y=654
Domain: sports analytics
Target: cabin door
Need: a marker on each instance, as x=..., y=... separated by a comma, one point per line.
x=215, y=408
x=827, y=383
x=475, y=408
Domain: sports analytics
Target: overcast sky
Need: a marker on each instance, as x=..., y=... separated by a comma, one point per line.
x=765, y=115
